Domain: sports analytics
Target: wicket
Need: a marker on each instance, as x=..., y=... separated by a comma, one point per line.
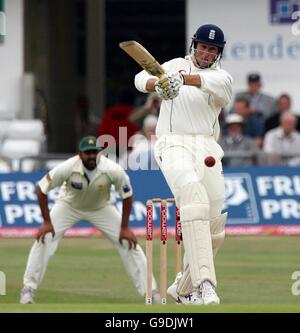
x=163, y=246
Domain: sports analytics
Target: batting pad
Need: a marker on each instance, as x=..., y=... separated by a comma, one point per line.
x=217, y=229
x=197, y=243
x=185, y=285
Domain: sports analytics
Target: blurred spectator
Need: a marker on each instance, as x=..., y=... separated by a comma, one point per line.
x=41, y=111
x=253, y=122
x=239, y=149
x=116, y=116
x=284, y=140
x=142, y=155
x=81, y=117
x=151, y=106
x=284, y=103
x=258, y=102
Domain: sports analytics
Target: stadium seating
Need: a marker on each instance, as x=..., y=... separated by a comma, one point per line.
x=21, y=139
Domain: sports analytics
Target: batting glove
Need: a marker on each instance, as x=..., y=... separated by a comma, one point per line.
x=165, y=94
x=169, y=84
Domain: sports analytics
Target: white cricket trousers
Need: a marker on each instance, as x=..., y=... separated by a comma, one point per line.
x=108, y=221
x=181, y=160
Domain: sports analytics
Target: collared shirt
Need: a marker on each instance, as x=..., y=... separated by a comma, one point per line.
x=254, y=125
x=230, y=140
x=263, y=103
x=81, y=193
x=232, y=145
x=276, y=142
x=195, y=110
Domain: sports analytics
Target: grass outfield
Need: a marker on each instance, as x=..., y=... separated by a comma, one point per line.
x=86, y=275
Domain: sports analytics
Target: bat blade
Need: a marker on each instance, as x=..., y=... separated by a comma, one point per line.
x=145, y=59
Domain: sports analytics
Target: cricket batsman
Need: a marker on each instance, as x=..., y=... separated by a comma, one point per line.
x=193, y=90
x=85, y=195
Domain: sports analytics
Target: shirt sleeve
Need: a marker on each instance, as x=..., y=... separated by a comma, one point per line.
x=219, y=85
x=54, y=178
x=142, y=77
x=122, y=183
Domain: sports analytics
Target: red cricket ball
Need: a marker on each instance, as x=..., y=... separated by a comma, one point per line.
x=209, y=161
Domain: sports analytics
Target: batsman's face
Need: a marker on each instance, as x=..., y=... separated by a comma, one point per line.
x=89, y=158
x=205, y=55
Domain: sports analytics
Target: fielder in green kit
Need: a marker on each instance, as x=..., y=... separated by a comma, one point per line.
x=85, y=194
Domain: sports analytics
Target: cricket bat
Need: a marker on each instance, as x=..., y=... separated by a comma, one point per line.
x=145, y=59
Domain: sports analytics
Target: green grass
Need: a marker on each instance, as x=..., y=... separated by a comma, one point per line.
x=86, y=275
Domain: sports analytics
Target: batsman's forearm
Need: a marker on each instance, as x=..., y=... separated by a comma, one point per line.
x=127, y=204
x=192, y=80
x=43, y=202
x=150, y=85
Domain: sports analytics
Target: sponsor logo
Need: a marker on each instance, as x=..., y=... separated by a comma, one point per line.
x=240, y=198
x=126, y=188
x=281, y=10
x=149, y=227
x=163, y=218
x=212, y=34
x=279, y=197
x=76, y=185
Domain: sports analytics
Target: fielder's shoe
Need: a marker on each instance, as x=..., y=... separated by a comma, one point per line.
x=191, y=299
x=27, y=295
x=156, y=297
x=208, y=293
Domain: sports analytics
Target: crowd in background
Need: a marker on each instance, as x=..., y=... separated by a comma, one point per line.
x=263, y=129
x=257, y=129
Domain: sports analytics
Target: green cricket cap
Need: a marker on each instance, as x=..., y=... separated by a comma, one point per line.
x=88, y=143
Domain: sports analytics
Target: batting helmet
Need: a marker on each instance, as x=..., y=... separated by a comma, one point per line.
x=209, y=34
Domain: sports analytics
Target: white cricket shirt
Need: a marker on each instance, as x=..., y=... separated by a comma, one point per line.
x=81, y=193
x=194, y=110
